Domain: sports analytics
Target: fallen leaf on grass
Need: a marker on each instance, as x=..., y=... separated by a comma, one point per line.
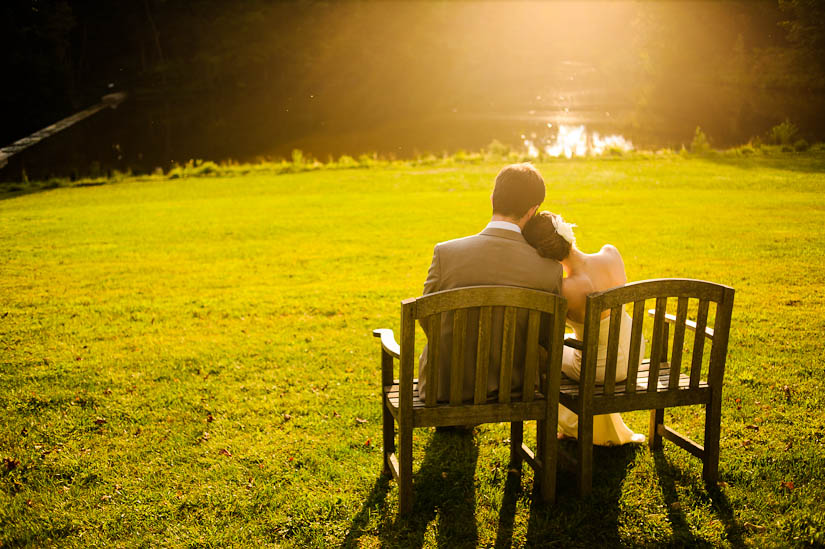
x=209, y=418
x=336, y=414
x=722, y=484
x=368, y=442
x=789, y=446
x=788, y=486
x=99, y=421
x=225, y=452
x=287, y=417
x=105, y=498
x=11, y=463
x=30, y=503
x=754, y=427
x=360, y=420
x=755, y=527
x=205, y=435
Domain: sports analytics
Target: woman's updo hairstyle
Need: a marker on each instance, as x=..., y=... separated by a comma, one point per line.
x=540, y=232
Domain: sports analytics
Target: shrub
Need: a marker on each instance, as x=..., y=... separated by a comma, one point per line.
x=700, y=143
x=297, y=158
x=346, y=161
x=497, y=150
x=206, y=168
x=801, y=145
x=783, y=134
x=745, y=150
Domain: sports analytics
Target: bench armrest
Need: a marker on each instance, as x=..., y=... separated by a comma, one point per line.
x=575, y=343
x=689, y=324
x=388, y=342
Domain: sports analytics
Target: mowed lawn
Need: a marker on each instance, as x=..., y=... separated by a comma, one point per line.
x=190, y=362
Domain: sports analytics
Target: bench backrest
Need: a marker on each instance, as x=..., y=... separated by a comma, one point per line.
x=494, y=329
x=683, y=294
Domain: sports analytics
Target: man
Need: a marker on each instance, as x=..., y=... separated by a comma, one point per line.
x=498, y=255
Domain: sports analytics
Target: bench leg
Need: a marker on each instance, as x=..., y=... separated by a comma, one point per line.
x=516, y=438
x=654, y=439
x=389, y=436
x=405, y=494
x=547, y=453
x=585, y=454
x=713, y=421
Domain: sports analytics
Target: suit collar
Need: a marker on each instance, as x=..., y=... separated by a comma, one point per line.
x=504, y=233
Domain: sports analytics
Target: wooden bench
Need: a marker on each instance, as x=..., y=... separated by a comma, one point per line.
x=662, y=381
x=501, y=312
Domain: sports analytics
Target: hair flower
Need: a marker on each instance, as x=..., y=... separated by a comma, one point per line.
x=564, y=229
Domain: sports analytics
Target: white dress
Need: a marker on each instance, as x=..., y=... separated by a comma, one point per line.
x=608, y=429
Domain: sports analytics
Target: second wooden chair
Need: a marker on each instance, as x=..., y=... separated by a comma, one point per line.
x=479, y=316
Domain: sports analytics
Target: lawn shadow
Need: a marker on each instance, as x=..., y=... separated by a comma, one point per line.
x=444, y=489
x=668, y=475
x=793, y=162
x=507, y=514
x=375, y=503
x=556, y=525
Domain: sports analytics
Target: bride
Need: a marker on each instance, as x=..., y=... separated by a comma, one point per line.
x=586, y=273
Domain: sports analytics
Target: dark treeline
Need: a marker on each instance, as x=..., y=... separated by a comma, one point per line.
x=217, y=79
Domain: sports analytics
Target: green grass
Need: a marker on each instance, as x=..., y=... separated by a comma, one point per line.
x=189, y=362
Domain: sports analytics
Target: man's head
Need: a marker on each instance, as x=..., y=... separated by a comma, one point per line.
x=519, y=188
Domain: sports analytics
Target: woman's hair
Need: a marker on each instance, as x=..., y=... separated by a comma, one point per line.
x=540, y=232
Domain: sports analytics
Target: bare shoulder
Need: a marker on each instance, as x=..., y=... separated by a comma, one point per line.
x=609, y=250
x=614, y=263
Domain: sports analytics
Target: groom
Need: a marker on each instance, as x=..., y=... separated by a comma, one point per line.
x=498, y=255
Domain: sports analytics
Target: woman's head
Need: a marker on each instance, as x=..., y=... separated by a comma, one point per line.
x=544, y=232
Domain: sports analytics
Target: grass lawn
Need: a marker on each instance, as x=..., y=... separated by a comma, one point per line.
x=190, y=362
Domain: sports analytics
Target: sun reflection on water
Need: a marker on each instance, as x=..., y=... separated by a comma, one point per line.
x=570, y=141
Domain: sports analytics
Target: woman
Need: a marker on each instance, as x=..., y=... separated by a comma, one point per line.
x=586, y=273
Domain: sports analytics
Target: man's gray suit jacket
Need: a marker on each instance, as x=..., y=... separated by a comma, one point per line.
x=495, y=256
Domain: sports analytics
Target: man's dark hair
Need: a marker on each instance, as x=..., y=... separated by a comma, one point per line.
x=518, y=188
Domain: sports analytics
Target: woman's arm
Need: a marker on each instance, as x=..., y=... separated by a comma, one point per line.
x=575, y=289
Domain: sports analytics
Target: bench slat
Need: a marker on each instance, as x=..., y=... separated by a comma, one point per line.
x=507, y=348
x=699, y=343
x=635, y=346
x=531, y=356
x=434, y=340
x=485, y=316
x=457, y=362
x=678, y=340
x=612, y=350
x=659, y=341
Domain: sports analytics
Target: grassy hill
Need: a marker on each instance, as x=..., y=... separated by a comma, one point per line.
x=190, y=361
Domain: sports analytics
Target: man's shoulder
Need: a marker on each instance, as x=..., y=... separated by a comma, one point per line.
x=458, y=242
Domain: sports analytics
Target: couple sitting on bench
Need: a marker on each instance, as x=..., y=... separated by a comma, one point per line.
x=520, y=247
